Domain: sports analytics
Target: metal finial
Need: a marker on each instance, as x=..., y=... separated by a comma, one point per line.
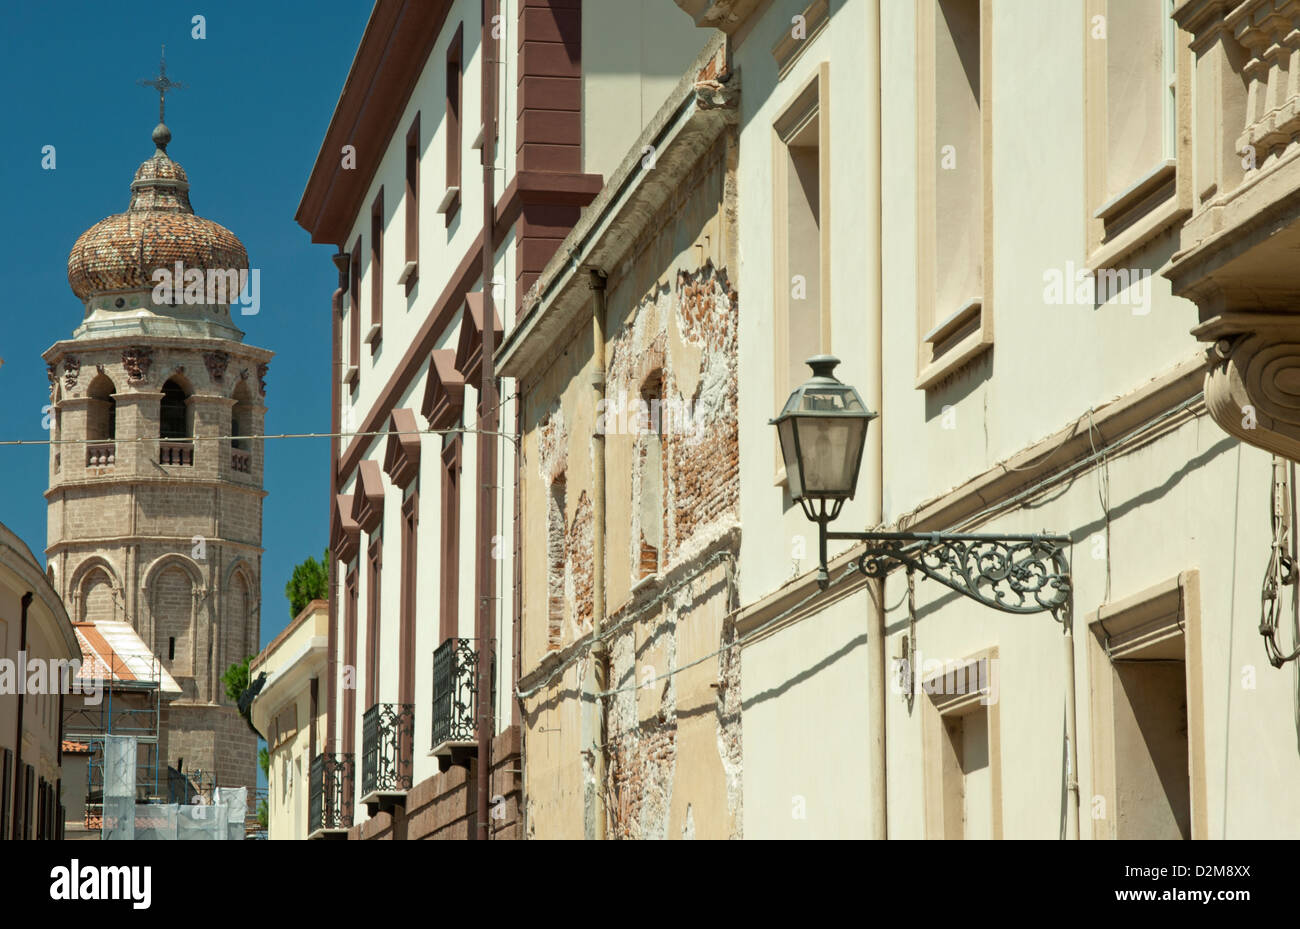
x=161, y=134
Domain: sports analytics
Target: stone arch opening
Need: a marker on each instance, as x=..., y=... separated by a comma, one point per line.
x=171, y=599
x=101, y=410
x=95, y=599
x=241, y=418
x=237, y=632
x=174, y=418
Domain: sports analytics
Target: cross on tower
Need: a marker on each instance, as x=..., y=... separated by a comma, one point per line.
x=162, y=84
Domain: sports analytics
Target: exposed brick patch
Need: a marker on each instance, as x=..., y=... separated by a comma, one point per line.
x=556, y=558
x=641, y=774
x=577, y=556
x=704, y=465
x=553, y=447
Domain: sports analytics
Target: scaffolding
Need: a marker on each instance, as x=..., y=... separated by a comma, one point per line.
x=123, y=818
x=130, y=708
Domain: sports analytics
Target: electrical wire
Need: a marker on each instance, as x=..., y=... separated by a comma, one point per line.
x=1281, y=566
x=283, y=435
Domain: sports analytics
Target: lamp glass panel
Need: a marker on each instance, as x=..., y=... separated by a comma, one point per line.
x=825, y=398
x=831, y=450
x=789, y=452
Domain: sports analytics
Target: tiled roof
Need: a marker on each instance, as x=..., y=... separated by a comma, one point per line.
x=112, y=650
x=158, y=229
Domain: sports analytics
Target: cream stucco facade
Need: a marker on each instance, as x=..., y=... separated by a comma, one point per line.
x=36, y=639
x=1071, y=400
x=286, y=711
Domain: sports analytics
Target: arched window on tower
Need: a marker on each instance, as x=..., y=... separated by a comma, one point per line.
x=175, y=426
x=241, y=426
x=173, y=416
x=101, y=423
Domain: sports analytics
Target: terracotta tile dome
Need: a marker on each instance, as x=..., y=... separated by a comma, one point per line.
x=158, y=229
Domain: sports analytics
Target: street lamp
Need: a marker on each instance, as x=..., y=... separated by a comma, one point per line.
x=823, y=429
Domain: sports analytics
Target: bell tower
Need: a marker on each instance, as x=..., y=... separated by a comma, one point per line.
x=155, y=490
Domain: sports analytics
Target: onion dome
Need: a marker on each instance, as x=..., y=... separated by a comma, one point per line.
x=158, y=229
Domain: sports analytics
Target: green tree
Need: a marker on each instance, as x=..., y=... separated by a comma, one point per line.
x=264, y=759
x=310, y=582
x=261, y=814
x=236, y=682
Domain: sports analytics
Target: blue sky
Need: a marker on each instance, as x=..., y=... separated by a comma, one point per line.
x=260, y=89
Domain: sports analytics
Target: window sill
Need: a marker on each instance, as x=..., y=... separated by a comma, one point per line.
x=374, y=335
x=1139, y=233
x=948, y=346
x=450, y=201
x=351, y=375
x=410, y=271
x=1116, y=210
x=956, y=357
x=649, y=581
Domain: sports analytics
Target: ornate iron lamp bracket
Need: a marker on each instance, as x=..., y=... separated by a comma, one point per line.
x=1014, y=574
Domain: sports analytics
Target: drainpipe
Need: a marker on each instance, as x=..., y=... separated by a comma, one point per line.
x=599, y=653
x=18, y=742
x=1071, y=733
x=487, y=444
x=342, y=262
x=876, y=780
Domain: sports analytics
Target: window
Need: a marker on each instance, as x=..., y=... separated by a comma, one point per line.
x=962, y=750
x=29, y=788
x=173, y=414
x=350, y=662
x=448, y=619
x=373, y=605
x=285, y=725
x=409, y=270
x=1148, y=722
x=6, y=791
x=171, y=648
x=954, y=173
x=801, y=208
x=352, y=374
x=410, y=564
x=555, y=539
x=241, y=418
x=650, y=465
x=455, y=68
x=374, y=335
x=1138, y=174
x=101, y=411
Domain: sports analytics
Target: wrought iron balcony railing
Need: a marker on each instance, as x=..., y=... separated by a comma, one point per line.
x=330, y=793
x=455, y=665
x=387, y=744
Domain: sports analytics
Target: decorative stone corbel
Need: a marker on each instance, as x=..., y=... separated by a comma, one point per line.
x=1252, y=384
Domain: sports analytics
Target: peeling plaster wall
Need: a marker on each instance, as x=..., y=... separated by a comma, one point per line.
x=673, y=743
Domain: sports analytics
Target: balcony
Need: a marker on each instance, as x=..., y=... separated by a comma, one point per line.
x=1236, y=257
x=176, y=452
x=329, y=811
x=455, y=665
x=100, y=455
x=387, y=742
x=241, y=461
